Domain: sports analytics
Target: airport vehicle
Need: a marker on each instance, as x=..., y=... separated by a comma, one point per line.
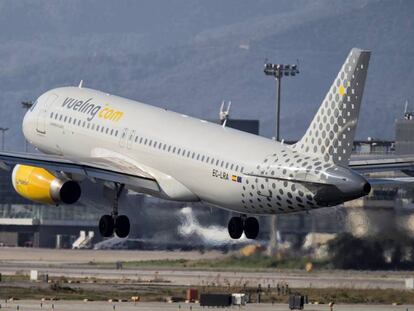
x=88, y=134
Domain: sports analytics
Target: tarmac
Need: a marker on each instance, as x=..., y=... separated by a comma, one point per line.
x=66, y=256
x=77, y=264
x=23, y=305
x=180, y=277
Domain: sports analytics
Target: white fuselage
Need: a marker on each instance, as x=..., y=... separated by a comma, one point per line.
x=191, y=159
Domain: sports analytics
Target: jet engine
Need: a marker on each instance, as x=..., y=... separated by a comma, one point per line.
x=39, y=185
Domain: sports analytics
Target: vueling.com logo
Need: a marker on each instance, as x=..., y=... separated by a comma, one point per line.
x=92, y=110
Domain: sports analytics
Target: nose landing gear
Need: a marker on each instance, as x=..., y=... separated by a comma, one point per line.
x=238, y=225
x=108, y=224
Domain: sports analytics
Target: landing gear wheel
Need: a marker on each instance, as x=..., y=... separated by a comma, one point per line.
x=106, y=226
x=251, y=228
x=122, y=226
x=235, y=227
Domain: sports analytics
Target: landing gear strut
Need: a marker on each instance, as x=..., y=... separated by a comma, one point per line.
x=114, y=222
x=249, y=225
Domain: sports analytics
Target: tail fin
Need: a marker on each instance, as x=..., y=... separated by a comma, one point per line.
x=331, y=133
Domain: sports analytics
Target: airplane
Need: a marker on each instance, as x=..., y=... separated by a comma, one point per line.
x=85, y=134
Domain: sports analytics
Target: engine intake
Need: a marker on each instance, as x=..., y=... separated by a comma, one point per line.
x=39, y=185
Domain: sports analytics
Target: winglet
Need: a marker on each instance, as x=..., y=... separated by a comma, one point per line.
x=80, y=84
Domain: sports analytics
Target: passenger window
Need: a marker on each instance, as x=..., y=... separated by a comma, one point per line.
x=169, y=148
x=193, y=155
x=231, y=167
x=107, y=130
x=145, y=141
x=212, y=161
x=227, y=165
x=56, y=116
x=89, y=125
x=217, y=162
x=83, y=124
x=179, y=151
x=93, y=126
x=165, y=147
x=98, y=127
x=237, y=168
x=198, y=156
x=79, y=122
x=140, y=140
x=174, y=150
x=66, y=118
x=112, y=133
x=188, y=154
x=60, y=118
x=202, y=159
x=136, y=137
x=116, y=133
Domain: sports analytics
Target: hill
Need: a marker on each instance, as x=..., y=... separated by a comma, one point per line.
x=190, y=55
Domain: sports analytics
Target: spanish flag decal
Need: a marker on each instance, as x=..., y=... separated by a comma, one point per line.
x=236, y=178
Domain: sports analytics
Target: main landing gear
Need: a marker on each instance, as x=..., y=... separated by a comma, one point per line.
x=108, y=224
x=249, y=225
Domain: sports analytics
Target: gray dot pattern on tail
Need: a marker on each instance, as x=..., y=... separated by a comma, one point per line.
x=332, y=131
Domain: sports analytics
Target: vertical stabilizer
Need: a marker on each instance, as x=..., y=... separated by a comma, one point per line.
x=331, y=133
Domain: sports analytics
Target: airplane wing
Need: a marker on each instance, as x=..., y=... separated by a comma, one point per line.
x=104, y=169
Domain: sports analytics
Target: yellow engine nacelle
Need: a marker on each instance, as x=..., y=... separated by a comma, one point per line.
x=37, y=184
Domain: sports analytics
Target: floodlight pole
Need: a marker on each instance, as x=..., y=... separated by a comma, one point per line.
x=278, y=86
x=3, y=131
x=26, y=105
x=278, y=71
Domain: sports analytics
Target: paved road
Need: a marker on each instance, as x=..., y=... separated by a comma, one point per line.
x=74, y=264
x=65, y=256
x=126, y=306
x=191, y=278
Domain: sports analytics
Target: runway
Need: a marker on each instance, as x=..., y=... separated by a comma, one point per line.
x=77, y=264
x=69, y=256
x=181, y=277
x=126, y=306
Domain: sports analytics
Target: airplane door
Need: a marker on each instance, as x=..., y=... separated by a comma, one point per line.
x=124, y=137
x=130, y=139
x=43, y=111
